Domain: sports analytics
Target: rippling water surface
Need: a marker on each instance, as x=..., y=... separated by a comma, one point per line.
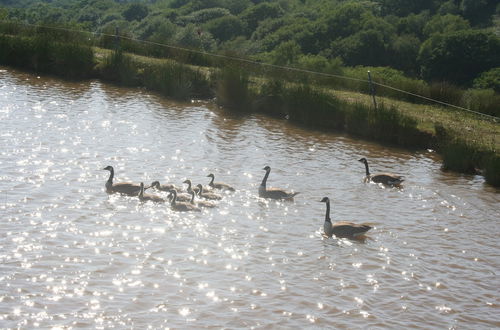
x=73, y=256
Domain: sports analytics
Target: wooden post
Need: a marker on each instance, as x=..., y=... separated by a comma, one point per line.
x=372, y=90
x=117, y=38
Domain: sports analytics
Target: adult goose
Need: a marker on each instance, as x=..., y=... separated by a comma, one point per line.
x=343, y=228
x=219, y=185
x=163, y=187
x=182, y=206
x=148, y=197
x=207, y=195
x=189, y=189
x=127, y=188
x=388, y=179
x=202, y=204
x=273, y=193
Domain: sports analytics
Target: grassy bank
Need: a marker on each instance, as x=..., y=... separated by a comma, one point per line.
x=467, y=143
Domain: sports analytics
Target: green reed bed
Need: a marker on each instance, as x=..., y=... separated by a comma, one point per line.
x=41, y=54
x=169, y=78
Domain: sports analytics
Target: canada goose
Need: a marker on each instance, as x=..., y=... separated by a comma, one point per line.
x=181, y=197
x=274, y=193
x=207, y=195
x=343, y=228
x=163, y=187
x=127, y=188
x=384, y=178
x=201, y=203
x=219, y=185
x=148, y=197
x=189, y=189
x=182, y=206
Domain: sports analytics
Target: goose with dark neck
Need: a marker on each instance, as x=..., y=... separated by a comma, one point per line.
x=343, y=228
x=388, y=179
x=189, y=188
x=199, y=203
x=219, y=185
x=207, y=195
x=126, y=188
x=273, y=193
x=143, y=197
x=182, y=206
x=163, y=187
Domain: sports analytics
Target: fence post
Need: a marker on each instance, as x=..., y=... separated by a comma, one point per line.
x=117, y=38
x=372, y=90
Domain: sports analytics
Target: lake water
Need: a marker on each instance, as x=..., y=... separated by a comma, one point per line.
x=73, y=256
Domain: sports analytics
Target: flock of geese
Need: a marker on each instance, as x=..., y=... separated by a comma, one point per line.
x=193, y=199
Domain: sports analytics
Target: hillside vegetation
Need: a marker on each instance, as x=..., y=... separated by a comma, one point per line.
x=452, y=41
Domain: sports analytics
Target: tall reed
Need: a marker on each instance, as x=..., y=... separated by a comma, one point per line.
x=43, y=55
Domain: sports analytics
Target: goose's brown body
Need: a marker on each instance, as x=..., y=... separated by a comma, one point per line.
x=219, y=185
x=126, y=188
x=342, y=228
x=143, y=197
x=388, y=179
x=273, y=193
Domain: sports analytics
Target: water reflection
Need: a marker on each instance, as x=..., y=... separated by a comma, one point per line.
x=73, y=256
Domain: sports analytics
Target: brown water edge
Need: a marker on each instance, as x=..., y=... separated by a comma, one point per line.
x=72, y=255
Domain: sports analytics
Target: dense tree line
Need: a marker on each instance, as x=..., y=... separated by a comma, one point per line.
x=457, y=41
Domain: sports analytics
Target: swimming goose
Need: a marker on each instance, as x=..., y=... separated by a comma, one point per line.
x=343, y=228
x=219, y=185
x=181, y=197
x=189, y=189
x=181, y=206
x=274, y=193
x=127, y=188
x=384, y=178
x=163, y=187
x=201, y=203
x=207, y=195
x=148, y=197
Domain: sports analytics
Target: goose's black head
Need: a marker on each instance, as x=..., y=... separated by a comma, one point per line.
x=325, y=200
x=363, y=160
x=108, y=168
x=267, y=168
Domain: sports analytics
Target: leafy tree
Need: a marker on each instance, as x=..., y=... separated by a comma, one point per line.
x=478, y=11
x=135, y=11
x=445, y=24
x=459, y=56
x=449, y=7
x=204, y=15
x=193, y=37
x=413, y=24
x=286, y=54
x=253, y=15
x=404, y=51
x=404, y=7
x=366, y=47
x=240, y=46
x=225, y=28
x=489, y=79
x=267, y=27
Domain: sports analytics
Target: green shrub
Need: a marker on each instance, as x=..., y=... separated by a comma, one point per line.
x=175, y=80
x=482, y=100
x=119, y=68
